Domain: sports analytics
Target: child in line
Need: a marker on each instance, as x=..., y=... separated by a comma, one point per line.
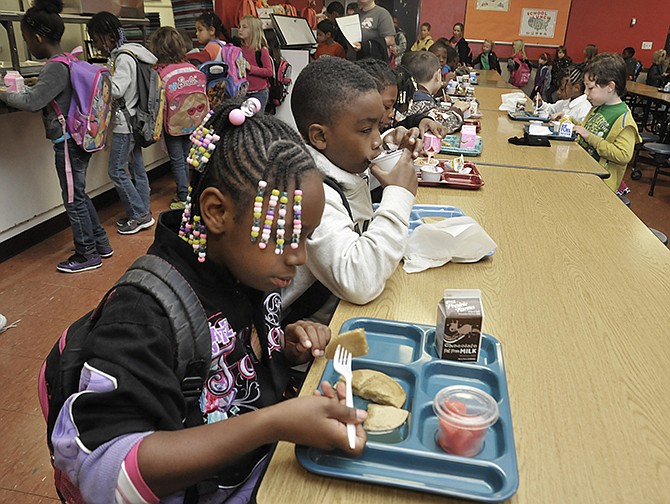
x=109, y=38
x=352, y=9
x=542, y=75
x=211, y=33
x=487, y=59
x=609, y=133
x=558, y=68
x=425, y=68
x=167, y=45
x=338, y=110
x=518, y=65
x=123, y=434
x=633, y=65
x=327, y=46
x=573, y=103
x=42, y=29
x=461, y=45
x=259, y=63
x=656, y=75
x=424, y=41
x=400, y=46
x=590, y=51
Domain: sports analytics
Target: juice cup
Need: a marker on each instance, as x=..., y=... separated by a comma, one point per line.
x=465, y=415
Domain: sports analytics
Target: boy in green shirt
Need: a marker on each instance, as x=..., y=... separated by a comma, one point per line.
x=609, y=133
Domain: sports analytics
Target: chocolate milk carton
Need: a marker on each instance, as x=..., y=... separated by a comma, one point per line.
x=458, y=332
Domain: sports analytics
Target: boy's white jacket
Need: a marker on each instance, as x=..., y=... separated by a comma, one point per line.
x=354, y=267
x=575, y=108
x=124, y=80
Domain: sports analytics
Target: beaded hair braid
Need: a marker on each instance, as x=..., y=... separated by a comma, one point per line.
x=255, y=161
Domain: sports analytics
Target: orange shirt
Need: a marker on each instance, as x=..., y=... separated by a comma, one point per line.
x=333, y=49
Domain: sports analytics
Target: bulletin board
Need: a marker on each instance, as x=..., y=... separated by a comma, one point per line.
x=544, y=22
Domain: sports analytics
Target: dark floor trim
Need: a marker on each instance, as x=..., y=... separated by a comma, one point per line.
x=40, y=232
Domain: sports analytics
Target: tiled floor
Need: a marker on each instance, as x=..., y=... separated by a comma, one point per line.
x=47, y=301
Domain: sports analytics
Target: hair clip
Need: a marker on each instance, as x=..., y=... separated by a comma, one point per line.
x=203, y=143
x=297, y=218
x=248, y=108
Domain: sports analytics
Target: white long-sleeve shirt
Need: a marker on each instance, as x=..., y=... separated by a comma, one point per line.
x=575, y=108
x=353, y=266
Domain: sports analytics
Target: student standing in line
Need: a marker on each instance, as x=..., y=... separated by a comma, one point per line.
x=123, y=432
x=609, y=133
x=542, y=75
x=458, y=41
x=658, y=69
x=400, y=46
x=42, y=29
x=590, y=51
x=487, y=59
x=327, y=45
x=377, y=31
x=424, y=41
x=259, y=63
x=558, y=67
x=211, y=33
x=125, y=155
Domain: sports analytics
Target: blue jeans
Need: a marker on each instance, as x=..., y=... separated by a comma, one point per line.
x=178, y=147
x=86, y=228
x=263, y=95
x=126, y=155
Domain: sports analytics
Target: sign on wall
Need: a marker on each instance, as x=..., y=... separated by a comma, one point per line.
x=538, y=23
x=493, y=5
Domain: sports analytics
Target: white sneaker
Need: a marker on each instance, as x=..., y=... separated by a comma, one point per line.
x=3, y=322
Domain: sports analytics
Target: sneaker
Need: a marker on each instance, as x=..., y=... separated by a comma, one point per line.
x=135, y=225
x=3, y=322
x=104, y=251
x=79, y=262
x=177, y=205
x=122, y=221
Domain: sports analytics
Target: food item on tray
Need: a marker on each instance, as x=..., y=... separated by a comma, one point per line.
x=354, y=341
x=378, y=387
x=424, y=161
x=382, y=418
x=465, y=414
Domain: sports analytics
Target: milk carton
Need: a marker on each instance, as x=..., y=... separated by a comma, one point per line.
x=458, y=332
x=14, y=81
x=468, y=136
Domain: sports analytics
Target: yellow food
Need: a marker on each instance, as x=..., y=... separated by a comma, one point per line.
x=384, y=418
x=378, y=387
x=354, y=341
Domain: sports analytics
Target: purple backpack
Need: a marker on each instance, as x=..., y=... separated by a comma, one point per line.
x=90, y=112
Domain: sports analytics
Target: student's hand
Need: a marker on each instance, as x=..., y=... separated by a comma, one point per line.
x=582, y=131
x=557, y=116
x=402, y=174
x=30, y=81
x=321, y=420
x=304, y=340
x=449, y=76
x=430, y=125
x=357, y=46
x=405, y=139
x=461, y=105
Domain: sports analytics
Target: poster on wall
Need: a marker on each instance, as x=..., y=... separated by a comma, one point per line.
x=538, y=23
x=493, y=5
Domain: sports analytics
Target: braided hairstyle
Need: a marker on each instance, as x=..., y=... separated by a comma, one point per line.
x=43, y=19
x=380, y=71
x=262, y=148
x=105, y=24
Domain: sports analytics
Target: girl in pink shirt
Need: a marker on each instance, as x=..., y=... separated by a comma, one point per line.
x=259, y=63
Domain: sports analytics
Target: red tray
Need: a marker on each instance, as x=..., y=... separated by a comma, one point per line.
x=472, y=180
x=474, y=122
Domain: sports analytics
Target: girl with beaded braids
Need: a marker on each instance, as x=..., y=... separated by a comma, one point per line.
x=254, y=184
x=125, y=156
x=42, y=29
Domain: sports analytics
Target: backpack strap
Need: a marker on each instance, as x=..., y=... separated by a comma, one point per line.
x=121, y=102
x=316, y=295
x=65, y=60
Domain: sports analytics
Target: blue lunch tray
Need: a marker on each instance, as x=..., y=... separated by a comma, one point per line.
x=554, y=135
x=526, y=116
x=451, y=144
x=410, y=457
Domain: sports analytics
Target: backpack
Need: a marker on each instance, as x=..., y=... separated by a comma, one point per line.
x=520, y=74
x=147, y=123
x=226, y=75
x=279, y=82
x=186, y=101
x=90, y=111
x=60, y=373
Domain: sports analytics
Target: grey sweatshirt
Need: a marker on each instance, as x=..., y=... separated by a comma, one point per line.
x=53, y=83
x=124, y=80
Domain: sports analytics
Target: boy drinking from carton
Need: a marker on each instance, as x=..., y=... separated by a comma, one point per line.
x=609, y=133
x=355, y=249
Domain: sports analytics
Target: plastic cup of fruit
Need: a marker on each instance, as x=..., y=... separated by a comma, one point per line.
x=422, y=162
x=387, y=160
x=431, y=173
x=465, y=415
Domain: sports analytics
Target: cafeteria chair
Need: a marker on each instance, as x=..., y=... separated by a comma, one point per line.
x=647, y=137
x=659, y=234
x=661, y=153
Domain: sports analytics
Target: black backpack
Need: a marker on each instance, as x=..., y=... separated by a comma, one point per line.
x=60, y=373
x=279, y=82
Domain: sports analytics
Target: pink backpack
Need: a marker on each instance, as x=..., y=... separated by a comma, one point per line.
x=521, y=75
x=186, y=101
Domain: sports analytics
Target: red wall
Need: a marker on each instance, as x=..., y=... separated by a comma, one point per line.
x=605, y=23
x=228, y=9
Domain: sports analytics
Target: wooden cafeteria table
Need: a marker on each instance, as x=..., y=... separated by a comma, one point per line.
x=497, y=127
x=577, y=294
x=489, y=97
x=491, y=78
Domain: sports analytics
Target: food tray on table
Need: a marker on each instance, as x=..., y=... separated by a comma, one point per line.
x=451, y=144
x=410, y=456
x=526, y=116
x=472, y=180
x=554, y=135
